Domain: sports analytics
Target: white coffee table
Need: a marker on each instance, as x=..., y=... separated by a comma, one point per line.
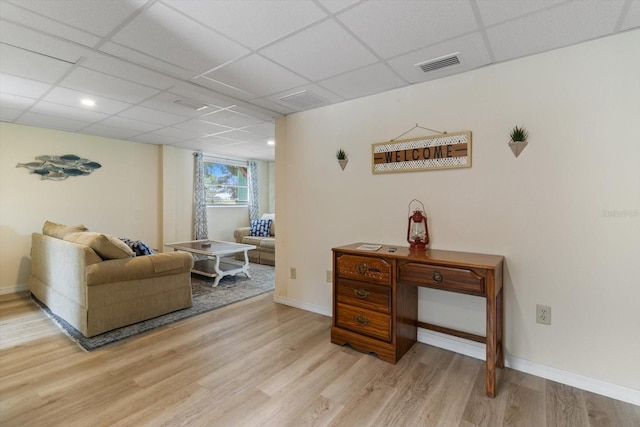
x=212, y=266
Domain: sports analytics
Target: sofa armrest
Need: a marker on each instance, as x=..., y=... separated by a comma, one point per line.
x=241, y=233
x=140, y=267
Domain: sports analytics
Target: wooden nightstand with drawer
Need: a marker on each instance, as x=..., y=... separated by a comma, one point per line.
x=375, y=298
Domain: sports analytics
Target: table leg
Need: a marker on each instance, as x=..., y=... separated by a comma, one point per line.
x=490, y=375
x=245, y=266
x=219, y=273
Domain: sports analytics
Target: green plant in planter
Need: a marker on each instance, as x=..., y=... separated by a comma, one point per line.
x=341, y=155
x=519, y=134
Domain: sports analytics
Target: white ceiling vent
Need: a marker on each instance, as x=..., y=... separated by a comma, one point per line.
x=188, y=103
x=438, y=63
x=304, y=100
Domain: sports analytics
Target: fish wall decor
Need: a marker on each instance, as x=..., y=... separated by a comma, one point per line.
x=59, y=168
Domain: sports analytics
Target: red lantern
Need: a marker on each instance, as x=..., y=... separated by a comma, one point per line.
x=417, y=231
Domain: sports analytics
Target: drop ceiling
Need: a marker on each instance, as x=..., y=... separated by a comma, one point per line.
x=212, y=75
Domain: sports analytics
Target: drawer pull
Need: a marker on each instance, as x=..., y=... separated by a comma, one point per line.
x=361, y=293
x=361, y=320
x=362, y=268
x=437, y=277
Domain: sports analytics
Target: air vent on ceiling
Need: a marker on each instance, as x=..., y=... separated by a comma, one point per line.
x=438, y=63
x=188, y=103
x=303, y=100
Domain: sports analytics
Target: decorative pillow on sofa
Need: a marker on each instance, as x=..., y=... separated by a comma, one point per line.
x=106, y=246
x=137, y=246
x=58, y=231
x=260, y=227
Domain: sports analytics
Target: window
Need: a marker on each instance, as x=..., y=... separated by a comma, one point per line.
x=225, y=183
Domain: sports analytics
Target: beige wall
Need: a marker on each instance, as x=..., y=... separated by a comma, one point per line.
x=142, y=191
x=549, y=212
x=108, y=200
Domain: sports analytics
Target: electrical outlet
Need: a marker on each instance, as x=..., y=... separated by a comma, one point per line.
x=329, y=279
x=543, y=314
x=292, y=273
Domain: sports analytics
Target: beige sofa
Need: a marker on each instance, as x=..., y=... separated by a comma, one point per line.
x=265, y=252
x=96, y=284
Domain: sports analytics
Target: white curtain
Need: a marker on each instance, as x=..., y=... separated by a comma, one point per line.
x=254, y=196
x=200, y=228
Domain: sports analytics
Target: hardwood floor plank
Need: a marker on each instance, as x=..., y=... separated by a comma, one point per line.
x=258, y=363
x=565, y=405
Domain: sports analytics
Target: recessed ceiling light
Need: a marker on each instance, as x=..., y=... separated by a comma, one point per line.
x=88, y=102
x=271, y=142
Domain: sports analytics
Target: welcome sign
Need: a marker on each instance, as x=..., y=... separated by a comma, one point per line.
x=443, y=151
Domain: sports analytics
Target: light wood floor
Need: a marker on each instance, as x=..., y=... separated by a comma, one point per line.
x=258, y=363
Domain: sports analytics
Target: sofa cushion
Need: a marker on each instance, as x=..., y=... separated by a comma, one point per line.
x=106, y=246
x=58, y=231
x=252, y=240
x=260, y=227
x=268, y=243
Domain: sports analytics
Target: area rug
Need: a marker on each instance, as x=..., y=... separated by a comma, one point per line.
x=205, y=298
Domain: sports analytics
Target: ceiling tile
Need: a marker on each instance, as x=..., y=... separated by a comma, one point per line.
x=472, y=52
x=408, y=25
x=51, y=122
x=170, y=36
x=263, y=129
x=201, y=127
x=632, y=19
x=139, y=58
x=22, y=87
x=167, y=102
x=223, y=89
x=201, y=94
x=15, y=101
x=110, y=131
x=313, y=54
x=257, y=75
x=337, y=5
x=20, y=13
x=70, y=97
x=230, y=118
x=254, y=23
x=217, y=140
x=553, y=28
x=8, y=114
x=150, y=138
x=90, y=81
x=39, y=42
x=31, y=65
x=313, y=90
x=94, y=16
x=125, y=123
x=175, y=133
x=496, y=11
x=152, y=116
x=365, y=81
x=58, y=110
x=106, y=64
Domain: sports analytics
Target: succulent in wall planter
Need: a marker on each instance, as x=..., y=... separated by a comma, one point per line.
x=518, y=141
x=342, y=158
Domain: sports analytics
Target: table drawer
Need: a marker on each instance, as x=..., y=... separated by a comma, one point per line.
x=451, y=279
x=365, y=295
x=364, y=321
x=376, y=270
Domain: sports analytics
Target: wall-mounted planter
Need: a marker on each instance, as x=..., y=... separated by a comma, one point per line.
x=517, y=147
x=343, y=163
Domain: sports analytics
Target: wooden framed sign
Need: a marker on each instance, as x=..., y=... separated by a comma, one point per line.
x=442, y=151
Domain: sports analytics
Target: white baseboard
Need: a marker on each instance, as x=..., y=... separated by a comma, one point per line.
x=13, y=289
x=477, y=351
x=303, y=305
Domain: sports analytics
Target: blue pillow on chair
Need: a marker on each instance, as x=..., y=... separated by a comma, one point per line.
x=260, y=227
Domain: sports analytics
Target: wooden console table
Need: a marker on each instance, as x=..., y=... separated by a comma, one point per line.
x=375, y=298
